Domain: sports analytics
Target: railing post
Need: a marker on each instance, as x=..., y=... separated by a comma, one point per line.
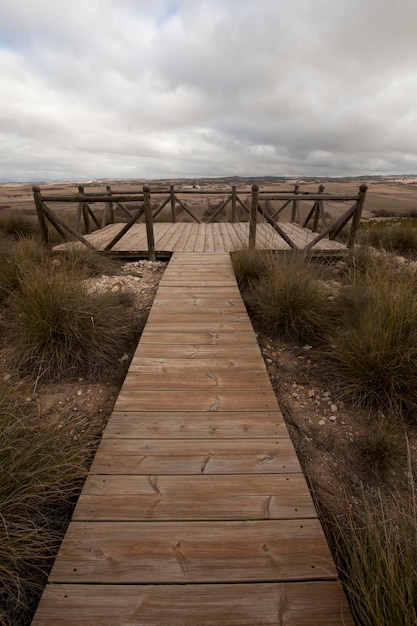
x=357, y=215
x=233, y=204
x=295, y=209
x=149, y=222
x=172, y=198
x=253, y=216
x=86, y=216
x=108, y=209
x=318, y=212
x=40, y=213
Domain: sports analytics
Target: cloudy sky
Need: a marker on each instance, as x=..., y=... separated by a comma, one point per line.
x=169, y=88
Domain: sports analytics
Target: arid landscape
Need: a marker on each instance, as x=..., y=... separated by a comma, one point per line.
x=386, y=195
x=351, y=451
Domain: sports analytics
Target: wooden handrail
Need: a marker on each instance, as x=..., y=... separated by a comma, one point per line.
x=109, y=199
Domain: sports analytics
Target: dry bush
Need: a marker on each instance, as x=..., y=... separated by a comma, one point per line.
x=42, y=468
x=58, y=329
x=374, y=350
x=376, y=552
x=290, y=300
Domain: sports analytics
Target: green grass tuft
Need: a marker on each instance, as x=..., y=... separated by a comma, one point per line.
x=16, y=224
x=399, y=237
x=376, y=551
x=374, y=350
x=290, y=300
x=58, y=329
x=250, y=265
x=41, y=471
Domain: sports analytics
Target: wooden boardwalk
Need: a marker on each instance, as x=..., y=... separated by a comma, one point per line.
x=217, y=237
x=195, y=512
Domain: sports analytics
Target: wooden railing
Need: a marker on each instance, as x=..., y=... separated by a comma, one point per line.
x=249, y=204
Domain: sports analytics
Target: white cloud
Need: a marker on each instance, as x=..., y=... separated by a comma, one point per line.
x=206, y=87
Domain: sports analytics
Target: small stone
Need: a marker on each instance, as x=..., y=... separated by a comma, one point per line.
x=311, y=393
x=332, y=418
x=322, y=423
x=333, y=407
x=80, y=392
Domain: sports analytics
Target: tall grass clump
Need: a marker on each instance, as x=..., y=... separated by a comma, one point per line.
x=374, y=351
x=42, y=468
x=17, y=224
x=59, y=329
x=396, y=237
x=376, y=551
x=250, y=265
x=291, y=300
x=15, y=256
x=85, y=262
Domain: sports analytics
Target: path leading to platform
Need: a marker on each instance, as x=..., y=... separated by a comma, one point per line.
x=195, y=511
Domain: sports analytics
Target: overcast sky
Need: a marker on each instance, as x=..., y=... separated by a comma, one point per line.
x=188, y=88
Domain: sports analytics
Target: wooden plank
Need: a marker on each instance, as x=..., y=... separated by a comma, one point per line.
x=199, y=338
x=176, y=232
x=217, y=238
x=210, y=497
x=212, y=303
x=219, y=400
x=192, y=237
x=178, y=552
x=164, y=236
x=257, y=456
x=162, y=366
x=196, y=351
x=214, y=325
x=196, y=380
x=189, y=425
x=320, y=603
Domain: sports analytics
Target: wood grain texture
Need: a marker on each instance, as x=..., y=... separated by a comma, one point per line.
x=205, y=238
x=170, y=552
x=195, y=425
x=313, y=603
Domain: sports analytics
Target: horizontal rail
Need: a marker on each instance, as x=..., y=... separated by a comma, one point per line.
x=311, y=196
x=105, y=197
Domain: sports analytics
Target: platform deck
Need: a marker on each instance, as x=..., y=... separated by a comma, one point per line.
x=195, y=511
x=217, y=237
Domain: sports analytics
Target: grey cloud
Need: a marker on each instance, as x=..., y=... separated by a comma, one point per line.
x=212, y=87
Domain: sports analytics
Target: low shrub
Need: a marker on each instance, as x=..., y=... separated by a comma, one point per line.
x=14, y=258
x=291, y=300
x=42, y=468
x=58, y=329
x=399, y=236
x=16, y=224
x=376, y=551
x=250, y=265
x=379, y=450
x=374, y=350
x=84, y=262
